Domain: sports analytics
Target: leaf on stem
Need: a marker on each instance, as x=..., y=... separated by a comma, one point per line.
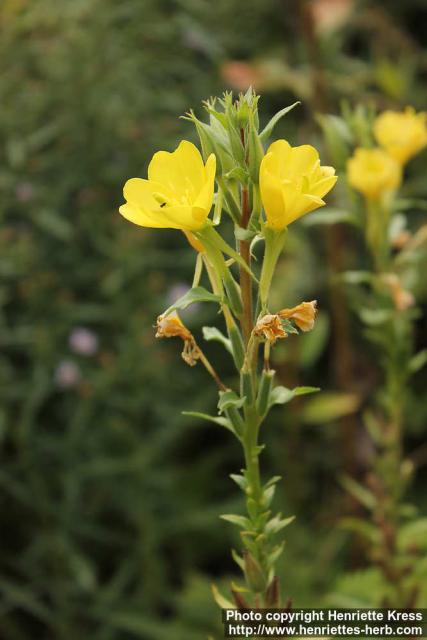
x=358, y=491
x=212, y=333
x=268, y=129
x=239, y=521
x=228, y=399
x=282, y=395
x=197, y=294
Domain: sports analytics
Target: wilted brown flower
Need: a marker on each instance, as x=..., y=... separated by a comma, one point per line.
x=402, y=298
x=171, y=326
x=270, y=328
x=303, y=315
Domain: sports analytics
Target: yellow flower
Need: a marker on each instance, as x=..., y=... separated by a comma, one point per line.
x=373, y=172
x=303, y=315
x=292, y=182
x=402, y=134
x=178, y=193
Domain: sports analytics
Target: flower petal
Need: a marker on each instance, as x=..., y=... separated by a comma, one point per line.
x=205, y=196
x=323, y=187
x=271, y=194
x=182, y=171
x=142, y=217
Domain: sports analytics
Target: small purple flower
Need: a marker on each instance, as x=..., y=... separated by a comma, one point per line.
x=83, y=341
x=67, y=375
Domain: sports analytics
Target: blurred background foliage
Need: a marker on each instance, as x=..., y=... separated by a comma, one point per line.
x=109, y=496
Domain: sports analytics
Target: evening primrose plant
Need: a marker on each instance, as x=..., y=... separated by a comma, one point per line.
x=260, y=192
x=384, y=298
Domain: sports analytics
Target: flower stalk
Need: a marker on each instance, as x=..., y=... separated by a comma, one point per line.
x=262, y=193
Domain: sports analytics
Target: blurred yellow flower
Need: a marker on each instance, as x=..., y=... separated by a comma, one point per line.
x=373, y=172
x=402, y=134
x=178, y=193
x=292, y=182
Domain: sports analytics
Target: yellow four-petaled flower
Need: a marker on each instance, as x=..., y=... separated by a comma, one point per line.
x=292, y=182
x=373, y=172
x=401, y=134
x=178, y=193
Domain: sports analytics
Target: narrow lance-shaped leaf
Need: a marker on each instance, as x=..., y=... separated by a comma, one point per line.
x=268, y=129
x=197, y=294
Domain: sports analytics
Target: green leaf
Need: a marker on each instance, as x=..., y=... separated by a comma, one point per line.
x=212, y=333
x=239, y=521
x=276, y=524
x=418, y=361
x=413, y=534
x=238, y=559
x=359, y=492
x=223, y=422
x=282, y=395
x=239, y=480
x=229, y=399
x=197, y=294
x=220, y=600
x=330, y=406
x=362, y=527
x=268, y=129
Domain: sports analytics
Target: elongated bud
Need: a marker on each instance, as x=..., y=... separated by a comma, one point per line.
x=237, y=346
x=263, y=399
x=236, y=419
x=272, y=596
x=247, y=388
x=253, y=572
x=233, y=293
x=255, y=150
x=239, y=600
x=236, y=145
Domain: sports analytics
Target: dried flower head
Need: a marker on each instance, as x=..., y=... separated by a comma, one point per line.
x=171, y=326
x=303, y=315
x=402, y=298
x=270, y=328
